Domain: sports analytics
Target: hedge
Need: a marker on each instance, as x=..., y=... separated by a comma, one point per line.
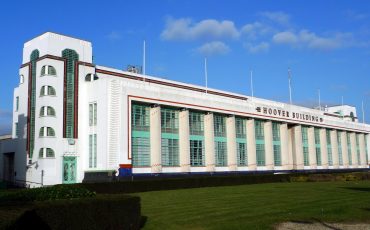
x=156, y=184
x=100, y=212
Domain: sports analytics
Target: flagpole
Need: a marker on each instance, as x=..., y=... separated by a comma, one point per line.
x=290, y=87
x=205, y=73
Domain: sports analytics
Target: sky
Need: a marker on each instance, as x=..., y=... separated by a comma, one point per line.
x=326, y=44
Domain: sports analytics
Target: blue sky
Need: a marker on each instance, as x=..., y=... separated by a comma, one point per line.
x=325, y=43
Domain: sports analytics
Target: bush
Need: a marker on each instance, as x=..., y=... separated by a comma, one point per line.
x=46, y=193
x=100, y=212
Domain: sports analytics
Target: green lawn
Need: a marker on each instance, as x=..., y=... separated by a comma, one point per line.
x=257, y=206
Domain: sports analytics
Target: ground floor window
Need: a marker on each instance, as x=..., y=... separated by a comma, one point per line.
x=92, y=150
x=277, y=155
x=330, y=155
x=306, y=160
x=318, y=156
x=260, y=152
x=220, y=153
x=241, y=151
x=170, y=152
x=140, y=151
x=197, y=153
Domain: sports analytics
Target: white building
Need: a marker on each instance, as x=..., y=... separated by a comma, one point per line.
x=74, y=119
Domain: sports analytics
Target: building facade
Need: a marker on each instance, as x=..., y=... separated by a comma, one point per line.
x=73, y=117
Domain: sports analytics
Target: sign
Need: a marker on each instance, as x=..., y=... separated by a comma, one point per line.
x=288, y=114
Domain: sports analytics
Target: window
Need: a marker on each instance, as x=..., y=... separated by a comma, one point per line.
x=196, y=152
x=196, y=123
x=306, y=160
x=47, y=111
x=276, y=143
x=16, y=103
x=91, y=77
x=47, y=132
x=220, y=153
x=169, y=120
x=241, y=151
x=240, y=127
x=219, y=124
x=46, y=153
x=141, y=151
x=328, y=145
x=48, y=70
x=170, y=152
x=317, y=146
x=358, y=149
x=260, y=142
x=140, y=117
x=349, y=146
x=260, y=151
x=241, y=141
x=92, y=114
x=21, y=79
x=259, y=130
x=340, y=155
x=277, y=155
x=92, y=150
x=47, y=90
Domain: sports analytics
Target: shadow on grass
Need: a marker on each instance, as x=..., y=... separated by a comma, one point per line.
x=361, y=189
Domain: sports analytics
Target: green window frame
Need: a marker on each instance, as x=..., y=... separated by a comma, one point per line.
x=260, y=152
x=16, y=129
x=197, y=153
x=196, y=123
x=241, y=127
x=329, y=149
x=260, y=142
x=349, y=147
x=93, y=110
x=48, y=70
x=306, y=160
x=33, y=58
x=140, y=135
x=220, y=153
x=340, y=152
x=317, y=146
x=170, y=137
x=259, y=130
x=46, y=153
x=276, y=140
x=219, y=124
x=16, y=103
x=241, y=141
x=358, y=149
x=241, y=150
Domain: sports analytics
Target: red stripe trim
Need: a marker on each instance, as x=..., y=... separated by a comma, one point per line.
x=170, y=84
x=125, y=166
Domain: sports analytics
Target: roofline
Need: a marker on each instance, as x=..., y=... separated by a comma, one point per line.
x=57, y=34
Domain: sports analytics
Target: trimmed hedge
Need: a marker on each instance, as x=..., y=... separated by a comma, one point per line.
x=100, y=212
x=45, y=193
x=156, y=184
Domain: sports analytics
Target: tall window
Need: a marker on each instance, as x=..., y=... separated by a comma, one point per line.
x=358, y=149
x=48, y=70
x=46, y=153
x=219, y=124
x=196, y=129
x=340, y=153
x=170, y=136
x=47, y=111
x=366, y=150
x=329, y=149
x=47, y=90
x=276, y=143
x=93, y=110
x=241, y=141
x=92, y=150
x=305, y=146
x=16, y=129
x=260, y=142
x=47, y=132
x=349, y=146
x=21, y=79
x=16, y=103
x=317, y=146
x=140, y=142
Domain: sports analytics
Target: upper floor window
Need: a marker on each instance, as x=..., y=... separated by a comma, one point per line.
x=47, y=132
x=16, y=103
x=47, y=90
x=48, y=70
x=21, y=79
x=93, y=110
x=47, y=111
x=46, y=152
x=91, y=77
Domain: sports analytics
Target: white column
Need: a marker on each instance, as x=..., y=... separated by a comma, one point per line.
x=155, y=139
x=269, y=147
x=354, y=149
x=334, y=148
x=231, y=143
x=284, y=144
x=362, y=150
x=298, y=162
x=311, y=147
x=184, y=145
x=209, y=142
x=343, y=138
x=251, y=145
x=324, y=149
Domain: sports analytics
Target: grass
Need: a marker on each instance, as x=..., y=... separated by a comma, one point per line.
x=259, y=206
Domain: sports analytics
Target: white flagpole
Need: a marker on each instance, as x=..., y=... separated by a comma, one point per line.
x=290, y=87
x=252, y=91
x=363, y=112
x=144, y=57
x=205, y=73
x=319, y=100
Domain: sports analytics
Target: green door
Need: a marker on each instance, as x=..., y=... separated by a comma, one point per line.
x=69, y=170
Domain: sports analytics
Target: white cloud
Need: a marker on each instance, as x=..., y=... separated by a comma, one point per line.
x=307, y=39
x=278, y=17
x=213, y=48
x=186, y=29
x=262, y=47
x=255, y=30
x=113, y=36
